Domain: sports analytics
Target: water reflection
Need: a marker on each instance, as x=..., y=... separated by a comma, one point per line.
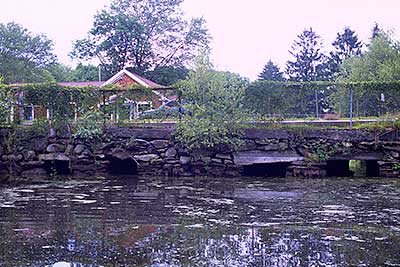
x=202, y=222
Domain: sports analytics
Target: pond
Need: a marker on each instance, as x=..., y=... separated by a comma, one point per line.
x=202, y=222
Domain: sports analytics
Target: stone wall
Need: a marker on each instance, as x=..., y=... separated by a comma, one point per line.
x=304, y=153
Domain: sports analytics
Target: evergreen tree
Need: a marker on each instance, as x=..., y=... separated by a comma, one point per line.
x=376, y=31
x=310, y=63
x=271, y=72
x=346, y=45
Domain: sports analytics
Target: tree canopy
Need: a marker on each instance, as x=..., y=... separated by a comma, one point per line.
x=24, y=57
x=346, y=45
x=143, y=35
x=309, y=62
x=214, y=104
x=271, y=72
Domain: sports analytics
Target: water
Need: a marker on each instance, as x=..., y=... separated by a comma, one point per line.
x=202, y=222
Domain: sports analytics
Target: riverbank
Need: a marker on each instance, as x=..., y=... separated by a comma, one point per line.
x=300, y=152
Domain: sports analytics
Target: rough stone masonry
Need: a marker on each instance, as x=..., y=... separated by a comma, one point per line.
x=147, y=151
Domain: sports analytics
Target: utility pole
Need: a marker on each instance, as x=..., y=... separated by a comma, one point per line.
x=351, y=107
x=316, y=90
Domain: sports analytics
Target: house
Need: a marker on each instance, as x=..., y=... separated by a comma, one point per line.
x=124, y=78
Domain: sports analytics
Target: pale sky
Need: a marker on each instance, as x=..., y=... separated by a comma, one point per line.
x=246, y=33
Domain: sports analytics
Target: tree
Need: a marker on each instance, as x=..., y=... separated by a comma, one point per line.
x=271, y=72
x=310, y=62
x=214, y=108
x=142, y=34
x=83, y=73
x=376, y=31
x=380, y=63
x=24, y=56
x=346, y=45
x=168, y=75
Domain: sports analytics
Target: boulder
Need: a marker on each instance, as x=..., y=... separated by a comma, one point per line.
x=55, y=148
x=32, y=173
x=79, y=149
x=171, y=153
x=53, y=156
x=160, y=143
x=184, y=160
x=146, y=157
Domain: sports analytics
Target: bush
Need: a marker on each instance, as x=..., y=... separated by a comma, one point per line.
x=88, y=126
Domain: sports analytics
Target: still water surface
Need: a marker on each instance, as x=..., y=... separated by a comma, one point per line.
x=202, y=222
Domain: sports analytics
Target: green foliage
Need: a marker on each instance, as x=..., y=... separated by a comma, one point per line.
x=89, y=126
x=6, y=100
x=62, y=102
x=24, y=57
x=143, y=34
x=85, y=73
x=346, y=45
x=214, y=108
x=271, y=72
x=376, y=72
x=168, y=75
x=310, y=62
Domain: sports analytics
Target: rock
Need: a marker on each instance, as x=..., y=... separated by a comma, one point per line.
x=171, y=152
x=55, y=148
x=146, y=157
x=262, y=141
x=151, y=150
x=141, y=142
x=16, y=158
x=39, y=144
x=79, y=149
x=184, y=160
x=52, y=133
x=29, y=155
x=272, y=147
x=223, y=156
x=122, y=155
x=248, y=145
x=69, y=149
x=216, y=160
x=258, y=157
x=160, y=143
x=54, y=156
x=32, y=164
x=32, y=173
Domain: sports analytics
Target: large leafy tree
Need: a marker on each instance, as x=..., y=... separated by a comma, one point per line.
x=143, y=35
x=85, y=73
x=168, y=75
x=379, y=63
x=214, y=104
x=24, y=57
x=271, y=72
x=346, y=45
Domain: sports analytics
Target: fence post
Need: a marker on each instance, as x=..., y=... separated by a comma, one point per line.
x=351, y=107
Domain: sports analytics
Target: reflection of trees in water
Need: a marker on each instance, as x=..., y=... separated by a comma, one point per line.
x=240, y=247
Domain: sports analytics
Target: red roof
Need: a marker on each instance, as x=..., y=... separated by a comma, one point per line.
x=82, y=84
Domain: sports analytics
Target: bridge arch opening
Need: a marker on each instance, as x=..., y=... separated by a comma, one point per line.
x=352, y=168
x=123, y=166
x=61, y=167
x=277, y=169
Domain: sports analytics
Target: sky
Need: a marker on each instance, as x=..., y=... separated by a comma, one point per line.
x=246, y=33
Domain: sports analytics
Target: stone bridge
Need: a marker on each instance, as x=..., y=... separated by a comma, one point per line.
x=141, y=151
